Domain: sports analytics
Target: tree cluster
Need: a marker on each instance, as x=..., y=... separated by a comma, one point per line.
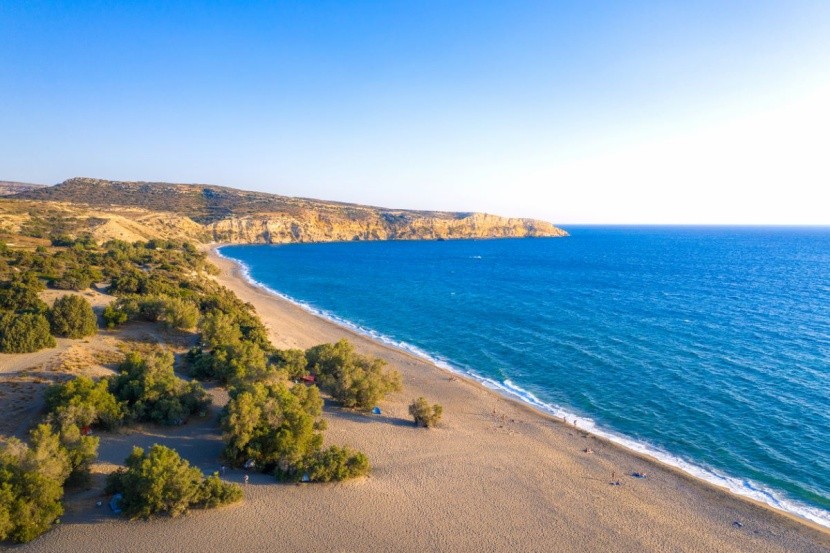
x=33, y=476
x=150, y=391
x=354, y=380
x=278, y=429
x=160, y=482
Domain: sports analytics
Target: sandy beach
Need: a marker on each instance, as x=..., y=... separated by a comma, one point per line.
x=495, y=476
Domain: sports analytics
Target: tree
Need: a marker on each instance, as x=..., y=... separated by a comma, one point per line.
x=152, y=392
x=22, y=293
x=352, y=379
x=31, y=484
x=335, y=464
x=292, y=361
x=161, y=482
x=115, y=314
x=425, y=415
x=72, y=317
x=274, y=426
x=219, y=329
x=84, y=402
x=24, y=333
x=180, y=314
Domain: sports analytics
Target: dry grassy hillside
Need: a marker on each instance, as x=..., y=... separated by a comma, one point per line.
x=111, y=209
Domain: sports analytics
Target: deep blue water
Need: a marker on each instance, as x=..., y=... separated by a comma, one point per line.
x=708, y=347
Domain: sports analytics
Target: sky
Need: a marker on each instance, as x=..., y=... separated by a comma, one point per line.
x=699, y=112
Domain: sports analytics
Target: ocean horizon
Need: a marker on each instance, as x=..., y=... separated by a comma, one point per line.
x=705, y=347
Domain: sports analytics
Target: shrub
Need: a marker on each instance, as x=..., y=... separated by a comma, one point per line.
x=274, y=426
x=84, y=402
x=31, y=484
x=152, y=392
x=161, y=482
x=352, y=379
x=219, y=329
x=180, y=314
x=291, y=361
x=425, y=415
x=24, y=333
x=22, y=293
x=215, y=492
x=115, y=314
x=335, y=464
x=72, y=317
x=79, y=278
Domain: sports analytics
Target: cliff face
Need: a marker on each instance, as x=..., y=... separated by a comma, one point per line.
x=235, y=216
x=276, y=228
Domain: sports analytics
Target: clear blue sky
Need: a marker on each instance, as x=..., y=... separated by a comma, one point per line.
x=575, y=112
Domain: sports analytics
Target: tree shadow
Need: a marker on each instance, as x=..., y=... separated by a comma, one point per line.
x=334, y=410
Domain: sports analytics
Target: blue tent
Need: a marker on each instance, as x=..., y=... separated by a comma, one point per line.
x=376, y=410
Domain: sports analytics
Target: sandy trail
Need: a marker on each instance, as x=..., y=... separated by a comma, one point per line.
x=496, y=476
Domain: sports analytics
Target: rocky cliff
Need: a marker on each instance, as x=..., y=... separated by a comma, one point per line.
x=235, y=216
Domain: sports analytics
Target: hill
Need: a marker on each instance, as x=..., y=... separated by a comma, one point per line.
x=229, y=215
x=8, y=187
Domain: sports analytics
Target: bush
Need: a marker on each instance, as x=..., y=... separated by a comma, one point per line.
x=215, y=492
x=115, y=314
x=152, y=392
x=84, y=402
x=77, y=279
x=180, y=314
x=291, y=361
x=24, y=333
x=31, y=484
x=219, y=329
x=352, y=379
x=22, y=293
x=425, y=415
x=161, y=482
x=72, y=317
x=274, y=426
x=335, y=464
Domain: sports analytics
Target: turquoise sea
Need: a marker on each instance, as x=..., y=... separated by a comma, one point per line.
x=708, y=348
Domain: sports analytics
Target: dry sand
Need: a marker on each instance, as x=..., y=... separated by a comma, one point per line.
x=496, y=476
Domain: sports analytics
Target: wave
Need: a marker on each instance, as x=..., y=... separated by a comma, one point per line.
x=739, y=486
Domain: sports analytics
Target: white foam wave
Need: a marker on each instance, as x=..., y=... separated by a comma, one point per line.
x=738, y=486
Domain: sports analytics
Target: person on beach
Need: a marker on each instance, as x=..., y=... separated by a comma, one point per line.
x=246, y=479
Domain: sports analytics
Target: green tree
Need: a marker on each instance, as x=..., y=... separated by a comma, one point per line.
x=84, y=402
x=335, y=464
x=72, y=317
x=291, y=361
x=152, y=391
x=352, y=379
x=31, y=484
x=180, y=314
x=220, y=329
x=22, y=293
x=274, y=426
x=115, y=314
x=24, y=333
x=161, y=482
x=424, y=414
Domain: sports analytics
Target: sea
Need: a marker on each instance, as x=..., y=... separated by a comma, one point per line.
x=707, y=348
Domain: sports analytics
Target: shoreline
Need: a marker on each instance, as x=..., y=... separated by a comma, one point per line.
x=234, y=274
x=514, y=393
x=750, y=491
